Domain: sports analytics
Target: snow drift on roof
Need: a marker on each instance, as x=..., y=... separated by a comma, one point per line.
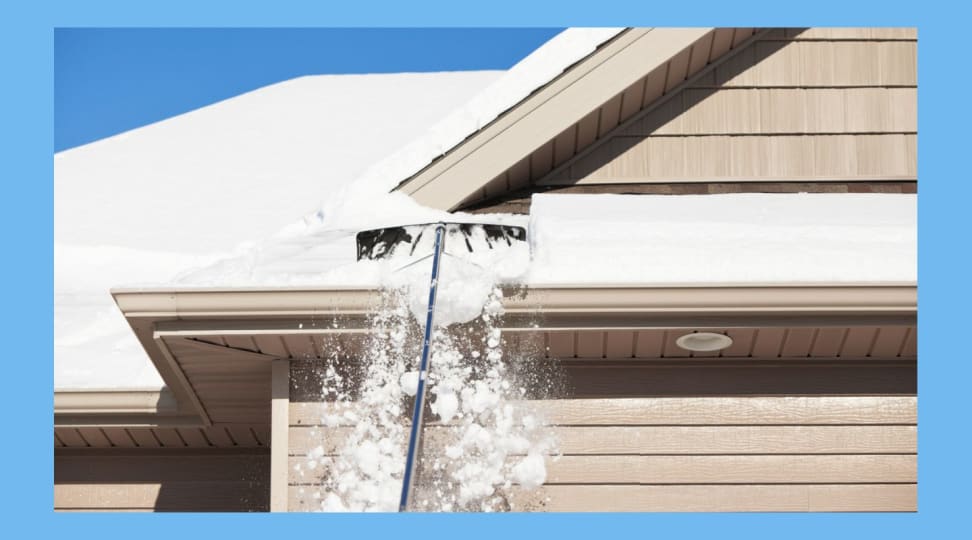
x=736, y=238
x=751, y=238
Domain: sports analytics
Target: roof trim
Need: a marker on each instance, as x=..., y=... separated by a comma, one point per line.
x=156, y=313
x=540, y=117
x=130, y=408
x=184, y=304
x=113, y=401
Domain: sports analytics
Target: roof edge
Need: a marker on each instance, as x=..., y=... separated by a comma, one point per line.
x=188, y=312
x=119, y=407
x=742, y=298
x=114, y=401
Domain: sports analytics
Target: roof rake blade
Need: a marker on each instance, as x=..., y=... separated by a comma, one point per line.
x=418, y=240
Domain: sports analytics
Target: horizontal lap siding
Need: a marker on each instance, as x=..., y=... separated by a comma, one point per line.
x=801, y=453
x=113, y=480
x=688, y=377
x=696, y=411
x=707, y=498
x=665, y=470
x=721, y=498
x=793, y=106
x=678, y=440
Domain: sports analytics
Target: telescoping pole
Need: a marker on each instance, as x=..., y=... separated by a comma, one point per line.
x=416, y=431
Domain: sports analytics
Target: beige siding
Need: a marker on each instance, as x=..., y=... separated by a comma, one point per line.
x=723, y=498
x=906, y=34
x=712, y=440
x=747, y=452
x=757, y=158
x=161, y=480
x=810, y=106
x=768, y=111
x=864, y=62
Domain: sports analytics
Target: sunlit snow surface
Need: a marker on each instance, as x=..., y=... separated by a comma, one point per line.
x=149, y=204
x=734, y=238
x=218, y=181
x=631, y=239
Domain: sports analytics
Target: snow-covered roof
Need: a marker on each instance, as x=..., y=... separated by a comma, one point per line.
x=145, y=205
x=241, y=169
x=193, y=190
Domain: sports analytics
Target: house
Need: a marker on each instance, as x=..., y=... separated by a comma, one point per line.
x=811, y=407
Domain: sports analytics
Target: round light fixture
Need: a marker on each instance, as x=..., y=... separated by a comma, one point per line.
x=704, y=342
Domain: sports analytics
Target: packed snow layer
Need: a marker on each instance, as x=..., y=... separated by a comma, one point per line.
x=623, y=239
x=147, y=205
x=735, y=238
x=328, y=257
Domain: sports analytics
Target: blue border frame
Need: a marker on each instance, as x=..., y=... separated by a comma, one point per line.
x=26, y=143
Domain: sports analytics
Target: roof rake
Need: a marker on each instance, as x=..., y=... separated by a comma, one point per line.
x=421, y=242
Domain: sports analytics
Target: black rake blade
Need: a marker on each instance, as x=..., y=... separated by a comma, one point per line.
x=408, y=240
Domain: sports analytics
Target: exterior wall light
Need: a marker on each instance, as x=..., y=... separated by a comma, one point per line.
x=704, y=342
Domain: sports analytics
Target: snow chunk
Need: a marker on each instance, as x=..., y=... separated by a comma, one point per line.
x=531, y=472
x=446, y=405
x=409, y=383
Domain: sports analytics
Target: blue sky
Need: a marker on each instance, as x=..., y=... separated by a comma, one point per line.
x=107, y=81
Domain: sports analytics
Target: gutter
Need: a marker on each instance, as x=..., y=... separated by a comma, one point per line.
x=650, y=303
x=130, y=408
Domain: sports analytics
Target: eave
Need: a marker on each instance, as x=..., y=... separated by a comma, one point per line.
x=236, y=328
x=276, y=308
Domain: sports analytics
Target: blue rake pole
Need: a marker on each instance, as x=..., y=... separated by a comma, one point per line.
x=416, y=432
